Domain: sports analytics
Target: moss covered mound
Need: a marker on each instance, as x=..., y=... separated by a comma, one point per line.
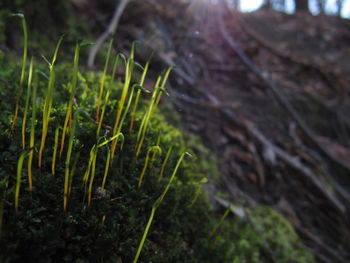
x=109, y=227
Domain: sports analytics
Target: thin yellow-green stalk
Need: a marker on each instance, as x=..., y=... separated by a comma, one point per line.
x=198, y=190
x=76, y=158
x=72, y=86
x=144, y=236
x=138, y=94
x=115, y=66
x=153, y=149
x=99, y=99
x=128, y=73
x=154, y=153
x=158, y=90
x=135, y=86
x=140, y=89
x=90, y=173
x=24, y=120
x=106, y=170
x=108, y=161
x=19, y=176
x=69, y=153
x=91, y=159
x=145, y=121
x=153, y=98
x=172, y=176
x=121, y=104
x=48, y=101
x=92, y=177
x=53, y=165
x=24, y=63
x=156, y=205
x=32, y=132
x=162, y=87
x=216, y=227
x=164, y=163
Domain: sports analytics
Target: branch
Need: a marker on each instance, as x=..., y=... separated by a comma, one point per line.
x=112, y=27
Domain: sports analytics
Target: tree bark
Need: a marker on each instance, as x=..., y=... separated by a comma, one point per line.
x=267, y=4
x=111, y=29
x=321, y=4
x=301, y=6
x=340, y=4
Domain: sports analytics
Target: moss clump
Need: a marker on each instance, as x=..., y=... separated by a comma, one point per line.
x=287, y=247
x=263, y=236
x=111, y=228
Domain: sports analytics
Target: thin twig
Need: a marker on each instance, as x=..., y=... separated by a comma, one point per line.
x=111, y=29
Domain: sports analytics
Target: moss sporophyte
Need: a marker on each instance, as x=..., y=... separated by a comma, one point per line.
x=90, y=172
x=152, y=150
x=24, y=120
x=48, y=101
x=157, y=93
x=103, y=79
x=19, y=176
x=118, y=57
x=72, y=85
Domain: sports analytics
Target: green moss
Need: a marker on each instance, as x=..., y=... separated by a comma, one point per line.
x=287, y=246
x=112, y=227
x=43, y=230
x=264, y=236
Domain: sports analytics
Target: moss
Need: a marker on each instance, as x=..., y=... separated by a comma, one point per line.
x=265, y=236
x=44, y=231
x=287, y=246
x=111, y=229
